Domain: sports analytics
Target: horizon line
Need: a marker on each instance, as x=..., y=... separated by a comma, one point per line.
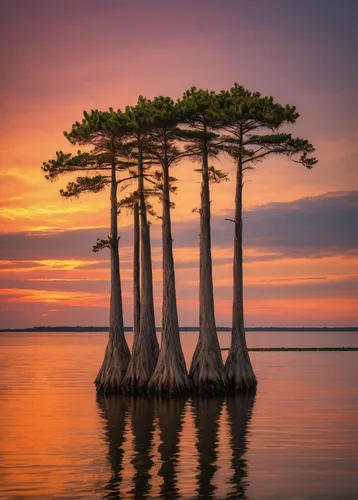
x=60, y=328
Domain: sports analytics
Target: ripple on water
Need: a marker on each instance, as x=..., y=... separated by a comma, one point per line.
x=297, y=436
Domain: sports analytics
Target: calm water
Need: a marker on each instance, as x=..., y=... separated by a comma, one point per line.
x=297, y=438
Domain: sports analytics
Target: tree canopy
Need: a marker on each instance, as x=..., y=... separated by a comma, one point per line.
x=142, y=143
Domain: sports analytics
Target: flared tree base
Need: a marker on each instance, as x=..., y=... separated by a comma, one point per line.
x=207, y=374
x=239, y=373
x=140, y=370
x=170, y=377
x=113, y=369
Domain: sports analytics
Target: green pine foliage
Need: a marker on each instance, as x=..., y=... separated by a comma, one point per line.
x=146, y=140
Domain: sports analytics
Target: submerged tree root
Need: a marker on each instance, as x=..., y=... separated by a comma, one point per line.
x=239, y=373
x=170, y=377
x=207, y=373
x=113, y=369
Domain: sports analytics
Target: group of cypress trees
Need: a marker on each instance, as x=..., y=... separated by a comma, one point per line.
x=133, y=151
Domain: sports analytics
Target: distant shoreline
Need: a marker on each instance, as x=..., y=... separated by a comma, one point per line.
x=297, y=349
x=63, y=329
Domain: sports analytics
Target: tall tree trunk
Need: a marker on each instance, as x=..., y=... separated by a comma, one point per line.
x=146, y=349
x=136, y=274
x=238, y=367
x=207, y=368
x=117, y=355
x=170, y=376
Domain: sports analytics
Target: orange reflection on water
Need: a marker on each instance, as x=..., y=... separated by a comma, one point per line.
x=56, y=438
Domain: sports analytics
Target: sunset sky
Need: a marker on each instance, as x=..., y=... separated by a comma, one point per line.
x=61, y=57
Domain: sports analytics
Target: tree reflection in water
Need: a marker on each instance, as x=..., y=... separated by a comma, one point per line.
x=168, y=415
x=207, y=413
x=142, y=418
x=114, y=411
x=239, y=410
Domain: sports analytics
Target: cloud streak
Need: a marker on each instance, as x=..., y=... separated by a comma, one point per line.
x=313, y=227
x=285, y=261
x=60, y=58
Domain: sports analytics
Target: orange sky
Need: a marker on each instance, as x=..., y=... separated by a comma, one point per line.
x=301, y=260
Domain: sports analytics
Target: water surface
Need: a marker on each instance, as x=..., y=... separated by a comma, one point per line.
x=297, y=438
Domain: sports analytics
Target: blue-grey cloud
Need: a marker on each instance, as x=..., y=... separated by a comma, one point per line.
x=322, y=224
x=309, y=227
x=75, y=244
x=344, y=287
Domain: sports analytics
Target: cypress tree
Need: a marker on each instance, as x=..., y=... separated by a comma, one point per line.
x=202, y=112
x=145, y=351
x=170, y=376
x=107, y=158
x=253, y=122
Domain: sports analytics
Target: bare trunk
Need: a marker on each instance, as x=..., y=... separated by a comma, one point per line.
x=170, y=376
x=136, y=274
x=207, y=416
x=117, y=355
x=146, y=349
x=238, y=367
x=207, y=369
x=239, y=409
x=113, y=410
